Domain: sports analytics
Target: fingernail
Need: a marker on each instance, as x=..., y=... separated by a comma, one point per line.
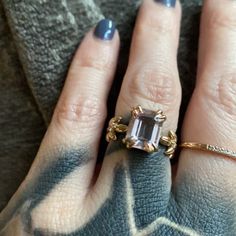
x=105, y=29
x=168, y=3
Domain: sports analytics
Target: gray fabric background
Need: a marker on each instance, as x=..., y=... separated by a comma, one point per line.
x=37, y=42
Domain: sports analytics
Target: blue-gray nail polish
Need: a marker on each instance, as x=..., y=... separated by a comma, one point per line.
x=168, y=3
x=105, y=29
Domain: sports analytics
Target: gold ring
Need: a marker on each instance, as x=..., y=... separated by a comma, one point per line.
x=209, y=148
x=143, y=131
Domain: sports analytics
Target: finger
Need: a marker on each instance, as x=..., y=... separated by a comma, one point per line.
x=151, y=81
x=79, y=115
x=211, y=117
x=152, y=78
x=61, y=174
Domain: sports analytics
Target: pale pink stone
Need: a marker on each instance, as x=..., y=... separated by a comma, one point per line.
x=144, y=128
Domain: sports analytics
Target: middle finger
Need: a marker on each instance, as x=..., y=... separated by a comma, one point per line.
x=151, y=81
x=152, y=78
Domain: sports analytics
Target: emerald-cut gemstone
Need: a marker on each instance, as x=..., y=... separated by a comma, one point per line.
x=144, y=130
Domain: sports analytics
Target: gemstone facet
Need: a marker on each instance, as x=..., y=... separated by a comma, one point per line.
x=144, y=129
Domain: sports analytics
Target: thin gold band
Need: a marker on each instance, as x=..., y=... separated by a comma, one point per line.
x=209, y=148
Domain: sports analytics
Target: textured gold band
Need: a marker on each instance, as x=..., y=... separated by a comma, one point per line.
x=209, y=148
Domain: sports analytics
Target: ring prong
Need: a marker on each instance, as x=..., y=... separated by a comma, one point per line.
x=129, y=142
x=148, y=147
x=136, y=111
x=160, y=117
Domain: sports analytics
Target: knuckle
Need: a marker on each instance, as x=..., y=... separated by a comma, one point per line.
x=100, y=61
x=158, y=87
x=156, y=23
x=101, y=64
x=220, y=17
x=221, y=94
x=85, y=113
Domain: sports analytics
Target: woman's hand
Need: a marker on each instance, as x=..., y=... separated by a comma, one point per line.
x=133, y=193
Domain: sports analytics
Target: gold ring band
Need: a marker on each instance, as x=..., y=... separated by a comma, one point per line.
x=143, y=131
x=209, y=148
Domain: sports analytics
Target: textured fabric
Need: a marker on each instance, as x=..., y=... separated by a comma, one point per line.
x=37, y=41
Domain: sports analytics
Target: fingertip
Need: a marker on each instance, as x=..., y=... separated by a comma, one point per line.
x=155, y=17
x=99, y=48
x=105, y=30
x=167, y=3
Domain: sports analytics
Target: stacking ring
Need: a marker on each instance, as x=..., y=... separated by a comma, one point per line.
x=209, y=148
x=143, y=131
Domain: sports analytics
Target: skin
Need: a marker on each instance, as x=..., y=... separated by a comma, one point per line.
x=134, y=192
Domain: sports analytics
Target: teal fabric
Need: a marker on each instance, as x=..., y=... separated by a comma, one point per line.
x=37, y=41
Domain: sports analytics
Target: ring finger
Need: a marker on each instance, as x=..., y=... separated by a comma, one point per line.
x=151, y=81
x=211, y=119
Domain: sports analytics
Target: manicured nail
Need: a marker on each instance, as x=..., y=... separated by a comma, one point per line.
x=105, y=29
x=168, y=3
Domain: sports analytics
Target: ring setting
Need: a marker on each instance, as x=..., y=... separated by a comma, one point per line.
x=143, y=131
